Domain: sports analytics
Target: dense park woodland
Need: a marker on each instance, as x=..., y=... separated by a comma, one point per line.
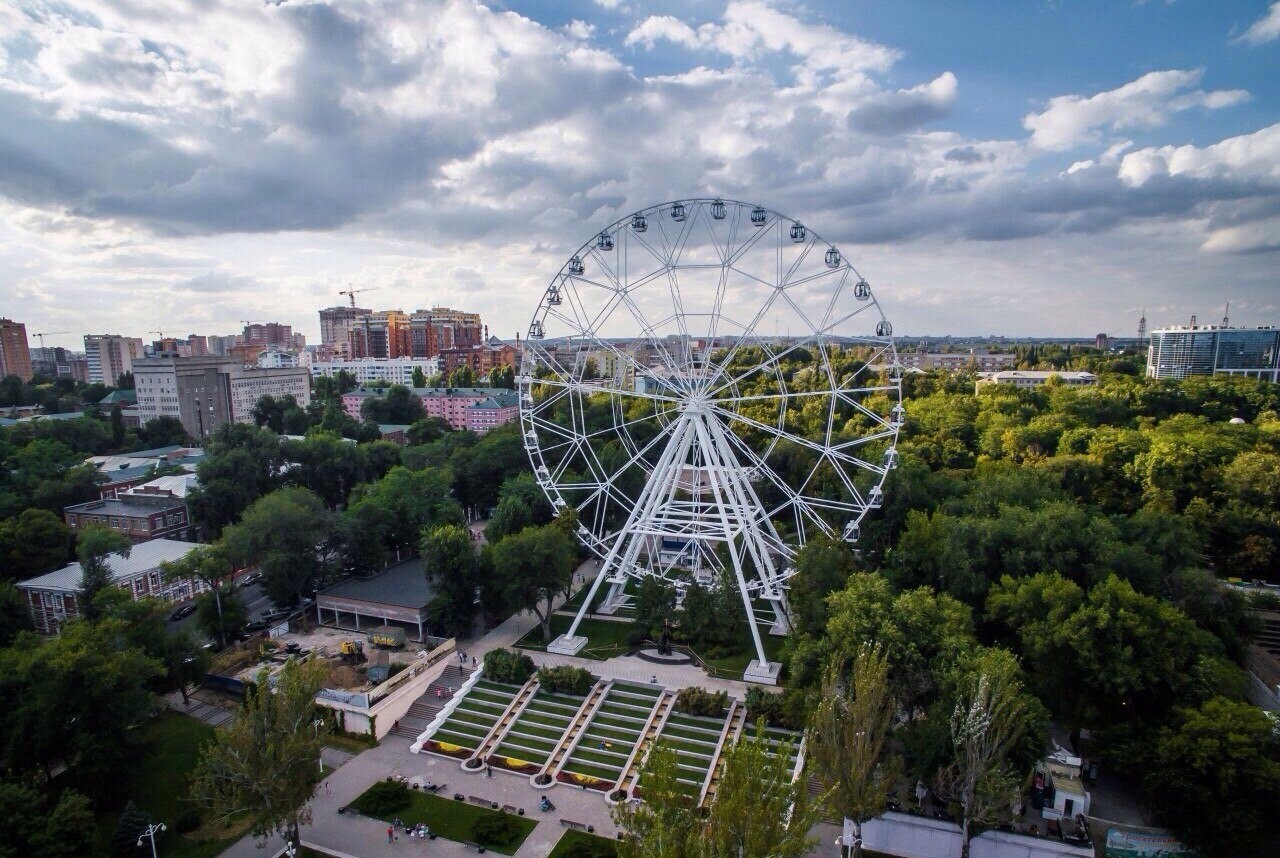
x=1059, y=550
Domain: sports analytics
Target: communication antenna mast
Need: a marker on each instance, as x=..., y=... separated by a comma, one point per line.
x=1226, y=315
x=1142, y=326
x=1193, y=320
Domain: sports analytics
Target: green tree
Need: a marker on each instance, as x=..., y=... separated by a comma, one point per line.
x=15, y=616
x=33, y=543
x=532, y=568
x=117, y=425
x=849, y=739
x=77, y=698
x=822, y=567
x=419, y=377
x=450, y=565
x=991, y=716
x=428, y=429
x=221, y=614
x=130, y=826
x=283, y=533
x=164, y=431
x=325, y=464
x=262, y=767
x=462, y=377
x=1105, y=656
x=241, y=464
x=411, y=500
x=664, y=825
x=1215, y=775
x=36, y=825
x=94, y=545
x=759, y=807
x=655, y=604
x=209, y=565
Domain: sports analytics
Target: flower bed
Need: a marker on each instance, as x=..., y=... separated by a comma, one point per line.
x=513, y=764
x=446, y=748
x=587, y=781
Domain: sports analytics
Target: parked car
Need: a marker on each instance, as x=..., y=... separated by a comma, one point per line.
x=183, y=612
x=257, y=626
x=251, y=578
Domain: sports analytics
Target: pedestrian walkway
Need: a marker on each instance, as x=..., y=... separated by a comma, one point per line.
x=201, y=710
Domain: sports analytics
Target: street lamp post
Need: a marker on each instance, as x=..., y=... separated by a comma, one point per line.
x=318, y=724
x=290, y=850
x=150, y=833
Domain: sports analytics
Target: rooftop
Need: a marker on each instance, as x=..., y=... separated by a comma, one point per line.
x=142, y=557
x=402, y=585
x=176, y=485
x=136, y=507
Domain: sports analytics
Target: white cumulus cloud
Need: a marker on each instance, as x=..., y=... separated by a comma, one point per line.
x=1265, y=29
x=1149, y=101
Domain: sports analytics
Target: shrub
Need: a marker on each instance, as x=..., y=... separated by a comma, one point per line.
x=495, y=829
x=637, y=636
x=504, y=665
x=566, y=680
x=188, y=820
x=777, y=710
x=699, y=701
x=383, y=800
x=596, y=847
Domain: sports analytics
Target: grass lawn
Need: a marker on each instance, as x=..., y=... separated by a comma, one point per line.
x=452, y=820
x=605, y=638
x=600, y=847
x=353, y=743
x=160, y=786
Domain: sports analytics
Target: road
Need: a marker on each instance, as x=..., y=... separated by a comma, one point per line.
x=255, y=600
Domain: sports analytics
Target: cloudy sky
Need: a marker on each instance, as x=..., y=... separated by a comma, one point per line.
x=1021, y=168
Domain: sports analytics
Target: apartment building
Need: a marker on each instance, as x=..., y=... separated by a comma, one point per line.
x=205, y=392
x=481, y=359
x=266, y=334
x=384, y=334
x=15, y=354
x=367, y=370
x=336, y=322
x=958, y=361
x=110, y=356
x=455, y=405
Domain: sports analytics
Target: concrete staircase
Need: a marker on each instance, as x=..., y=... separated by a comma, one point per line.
x=425, y=708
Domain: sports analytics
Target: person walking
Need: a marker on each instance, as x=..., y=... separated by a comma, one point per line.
x=391, y=833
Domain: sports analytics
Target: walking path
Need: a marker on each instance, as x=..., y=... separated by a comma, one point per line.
x=359, y=837
x=214, y=716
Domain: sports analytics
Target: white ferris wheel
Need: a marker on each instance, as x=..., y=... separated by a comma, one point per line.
x=710, y=385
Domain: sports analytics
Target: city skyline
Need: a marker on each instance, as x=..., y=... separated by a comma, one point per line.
x=188, y=171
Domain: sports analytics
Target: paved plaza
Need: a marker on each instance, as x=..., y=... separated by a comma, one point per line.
x=352, y=836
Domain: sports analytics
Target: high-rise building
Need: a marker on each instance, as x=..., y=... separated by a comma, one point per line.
x=267, y=334
x=336, y=322
x=384, y=334
x=440, y=328
x=1214, y=350
x=15, y=355
x=110, y=356
x=57, y=362
x=205, y=392
x=197, y=345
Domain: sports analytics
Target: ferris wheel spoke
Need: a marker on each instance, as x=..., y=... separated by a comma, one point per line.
x=799, y=440
x=574, y=385
x=793, y=346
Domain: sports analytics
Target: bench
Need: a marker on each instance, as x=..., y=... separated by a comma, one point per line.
x=483, y=802
x=470, y=845
x=511, y=808
x=575, y=825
